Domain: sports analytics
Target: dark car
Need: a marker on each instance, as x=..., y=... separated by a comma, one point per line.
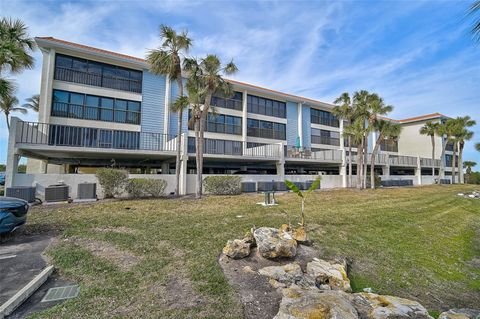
x=13, y=213
x=2, y=179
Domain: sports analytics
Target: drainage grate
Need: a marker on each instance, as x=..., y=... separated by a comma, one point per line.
x=60, y=293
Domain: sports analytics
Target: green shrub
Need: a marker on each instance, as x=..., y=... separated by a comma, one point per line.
x=113, y=181
x=223, y=185
x=145, y=187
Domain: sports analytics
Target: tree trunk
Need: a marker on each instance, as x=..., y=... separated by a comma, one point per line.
x=372, y=162
x=359, y=164
x=179, y=139
x=365, y=162
x=203, y=117
x=460, y=162
x=350, y=161
x=198, y=150
x=433, y=156
x=8, y=122
x=453, y=162
x=443, y=163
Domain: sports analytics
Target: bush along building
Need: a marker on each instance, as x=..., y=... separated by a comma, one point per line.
x=105, y=109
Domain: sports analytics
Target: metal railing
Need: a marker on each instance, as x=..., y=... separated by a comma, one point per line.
x=306, y=153
x=265, y=133
x=316, y=139
x=76, y=136
x=236, y=148
x=78, y=111
x=118, y=83
x=428, y=162
x=402, y=160
x=324, y=121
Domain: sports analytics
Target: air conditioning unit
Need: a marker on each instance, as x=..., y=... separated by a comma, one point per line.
x=280, y=186
x=23, y=192
x=87, y=191
x=264, y=186
x=56, y=193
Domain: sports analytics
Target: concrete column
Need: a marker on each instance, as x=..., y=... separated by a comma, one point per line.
x=12, y=156
x=281, y=162
x=183, y=167
x=343, y=167
x=165, y=168
x=418, y=171
x=166, y=119
x=46, y=86
x=244, y=119
x=300, y=121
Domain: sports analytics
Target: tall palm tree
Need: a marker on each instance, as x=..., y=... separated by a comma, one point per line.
x=475, y=10
x=15, y=46
x=344, y=112
x=33, y=103
x=207, y=76
x=443, y=133
x=451, y=131
x=477, y=147
x=9, y=104
x=463, y=135
x=356, y=130
x=361, y=114
x=430, y=129
x=386, y=130
x=167, y=60
x=469, y=165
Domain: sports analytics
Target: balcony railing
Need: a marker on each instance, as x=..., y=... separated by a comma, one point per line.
x=118, y=83
x=305, y=153
x=227, y=103
x=402, y=160
x=235, y=148
x=324, y=121
x=428, y=162
x=265, y=133
x=94, y=113
x=75, y=136
x=325, y=140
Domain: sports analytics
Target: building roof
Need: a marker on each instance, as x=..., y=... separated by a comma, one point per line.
x=423, y=117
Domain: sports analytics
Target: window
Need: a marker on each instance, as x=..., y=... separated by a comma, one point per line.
x=325, y=137
x=389, y=145
x=265, y=129
x=91, y=107
x=234, y=103
x=260, y=105
x=324, y=118
x=221, y=123
x=77, y=70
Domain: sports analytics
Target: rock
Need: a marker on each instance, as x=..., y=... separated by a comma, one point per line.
x=237, y=249
x=331, y=274
x=310, y=302
x=248, y=238
x=373, y=306
x=460, y=314
x=300, y=235
x=460, y=194
x=248, y=269
x=274, y=244
x=287, y=274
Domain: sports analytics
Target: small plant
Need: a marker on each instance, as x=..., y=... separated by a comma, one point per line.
x=145, y=187
x=113, y=181
x=223, y=185
x=303, y=195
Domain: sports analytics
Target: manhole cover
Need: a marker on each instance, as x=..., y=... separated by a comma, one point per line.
x=60, y=293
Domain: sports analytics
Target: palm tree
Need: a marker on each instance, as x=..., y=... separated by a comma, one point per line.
x=463, y=135
x=386, y=130
x=451, y=130
x=430, y=129
x=361, y=114
x=356, y=130
x=469, y=165
x=167, y=60
x=443, y=132
x=8, y=104
x=206, y=76
x=344, y=111
x=477, y=147
x=15, y=46
x=33, y=103
x=475, y=9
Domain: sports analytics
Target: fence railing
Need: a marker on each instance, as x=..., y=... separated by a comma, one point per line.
x=402, y=160
x=76, y=136
x=228, y=147
x=305, y=153
x=428, y=162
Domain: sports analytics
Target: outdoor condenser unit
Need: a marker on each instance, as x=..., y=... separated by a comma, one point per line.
x=87, y=191
x=56, y=193
x=249, y=187
x=23, y=192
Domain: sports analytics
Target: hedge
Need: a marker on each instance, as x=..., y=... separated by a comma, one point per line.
x=146, y=187
x=112, y=181
x=223, y=185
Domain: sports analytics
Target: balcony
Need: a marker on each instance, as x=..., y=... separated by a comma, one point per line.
x=307, y=154
x=401, y=160
x=326, y=140
x=428, y=162
x=95, y=79
x=52, y=135
x=225, y=103
x=236, y=148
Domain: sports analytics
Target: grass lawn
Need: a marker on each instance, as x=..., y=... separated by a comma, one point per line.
x=158, y=258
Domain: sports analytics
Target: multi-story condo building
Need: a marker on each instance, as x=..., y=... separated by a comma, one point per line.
x=100, y=108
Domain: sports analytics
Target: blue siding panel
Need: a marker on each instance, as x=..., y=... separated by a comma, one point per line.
x=153, y=101
x=306, y=126
x=292, y=123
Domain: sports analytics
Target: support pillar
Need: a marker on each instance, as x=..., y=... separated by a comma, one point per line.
x=418, y=171
x=244, y=120
x=165, y=168
x=12, y=157
x=183, y=165
x=343, y=167
x=281, y=162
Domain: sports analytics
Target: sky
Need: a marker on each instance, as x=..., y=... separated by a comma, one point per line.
x=418, y=55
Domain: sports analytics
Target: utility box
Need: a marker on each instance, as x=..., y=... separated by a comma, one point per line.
x=23, y=192
x=87, y=191
x=56, y=193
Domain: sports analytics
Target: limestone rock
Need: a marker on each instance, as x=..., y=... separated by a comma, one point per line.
x=303, y=303
x=287, y=274
x=274, y=244
x=248, y=238
x=460, y=314
x=300, y=235
x=237, y=249
x=373, y=306
x=331, y=274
